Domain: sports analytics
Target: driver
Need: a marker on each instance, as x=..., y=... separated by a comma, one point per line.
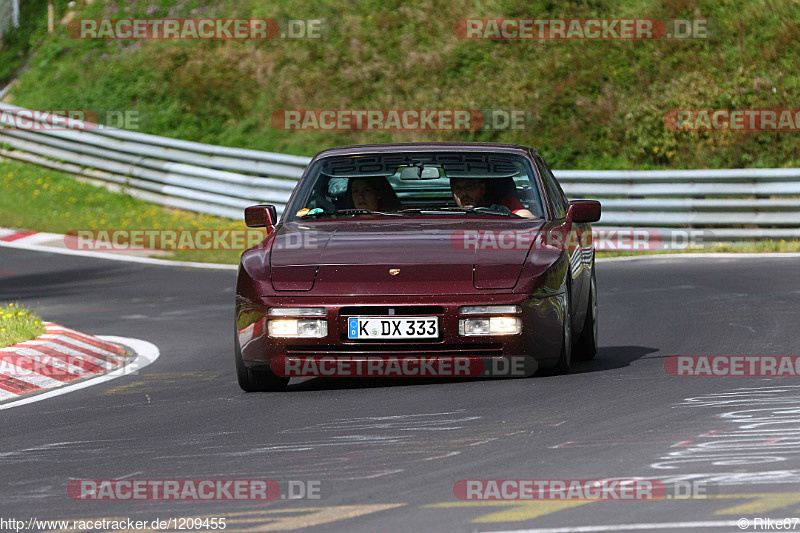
x=471, y=192
x=373, y=193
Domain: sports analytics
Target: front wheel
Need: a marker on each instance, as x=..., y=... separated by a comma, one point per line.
x=255, y=380
x=586, y=347
x=564, y=362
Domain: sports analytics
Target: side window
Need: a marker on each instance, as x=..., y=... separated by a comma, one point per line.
x=555, y=196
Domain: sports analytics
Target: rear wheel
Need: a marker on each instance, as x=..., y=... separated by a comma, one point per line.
x=255, y=380
x=586, y=347
x=564, y=362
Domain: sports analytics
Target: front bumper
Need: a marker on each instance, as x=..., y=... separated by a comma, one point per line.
x=540, y=339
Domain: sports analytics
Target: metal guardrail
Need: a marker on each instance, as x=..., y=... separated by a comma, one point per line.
x=9, y=15
x=183, y=174
x=732, y=204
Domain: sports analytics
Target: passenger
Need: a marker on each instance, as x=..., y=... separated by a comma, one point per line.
x=373, y=193
x=471, y=192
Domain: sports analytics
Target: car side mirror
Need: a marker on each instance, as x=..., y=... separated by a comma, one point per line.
x=260, y=216
x=583, y=211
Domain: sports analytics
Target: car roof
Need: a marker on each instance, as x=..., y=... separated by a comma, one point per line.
x=424, y=147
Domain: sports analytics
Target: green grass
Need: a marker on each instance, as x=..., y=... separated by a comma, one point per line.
x=39, y=199
x=596, y=104
x=18, y=324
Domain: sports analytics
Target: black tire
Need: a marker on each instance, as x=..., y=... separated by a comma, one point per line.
x=255, y=380
x=565, y=361
x=586, y=347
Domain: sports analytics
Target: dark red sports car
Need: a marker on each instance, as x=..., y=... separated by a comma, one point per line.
x=421, y=254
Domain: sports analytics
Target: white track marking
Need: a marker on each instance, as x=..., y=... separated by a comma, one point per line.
x=39, y=237
x=146, y=354
x=5, y=395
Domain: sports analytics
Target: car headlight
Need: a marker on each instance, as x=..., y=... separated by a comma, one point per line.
x=298, y=327
x=496, y=325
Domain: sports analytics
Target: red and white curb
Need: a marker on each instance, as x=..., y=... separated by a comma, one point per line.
x=63, y=360
x=26, y=237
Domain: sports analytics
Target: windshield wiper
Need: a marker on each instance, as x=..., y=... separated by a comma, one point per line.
x=352, y=212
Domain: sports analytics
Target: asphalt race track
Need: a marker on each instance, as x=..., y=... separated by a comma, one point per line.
x=387, y=454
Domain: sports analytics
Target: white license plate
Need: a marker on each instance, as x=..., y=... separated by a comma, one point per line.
x=409, y=327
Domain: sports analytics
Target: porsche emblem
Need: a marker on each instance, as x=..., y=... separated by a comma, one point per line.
x=394, y=271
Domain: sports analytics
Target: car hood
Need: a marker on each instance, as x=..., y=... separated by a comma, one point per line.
x=354, y=256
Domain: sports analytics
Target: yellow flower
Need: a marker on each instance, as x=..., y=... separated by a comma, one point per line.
x=2, y=329
x=20, y=313
x=11, y=305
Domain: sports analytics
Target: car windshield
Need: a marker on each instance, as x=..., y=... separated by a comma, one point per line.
x=459, y=183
